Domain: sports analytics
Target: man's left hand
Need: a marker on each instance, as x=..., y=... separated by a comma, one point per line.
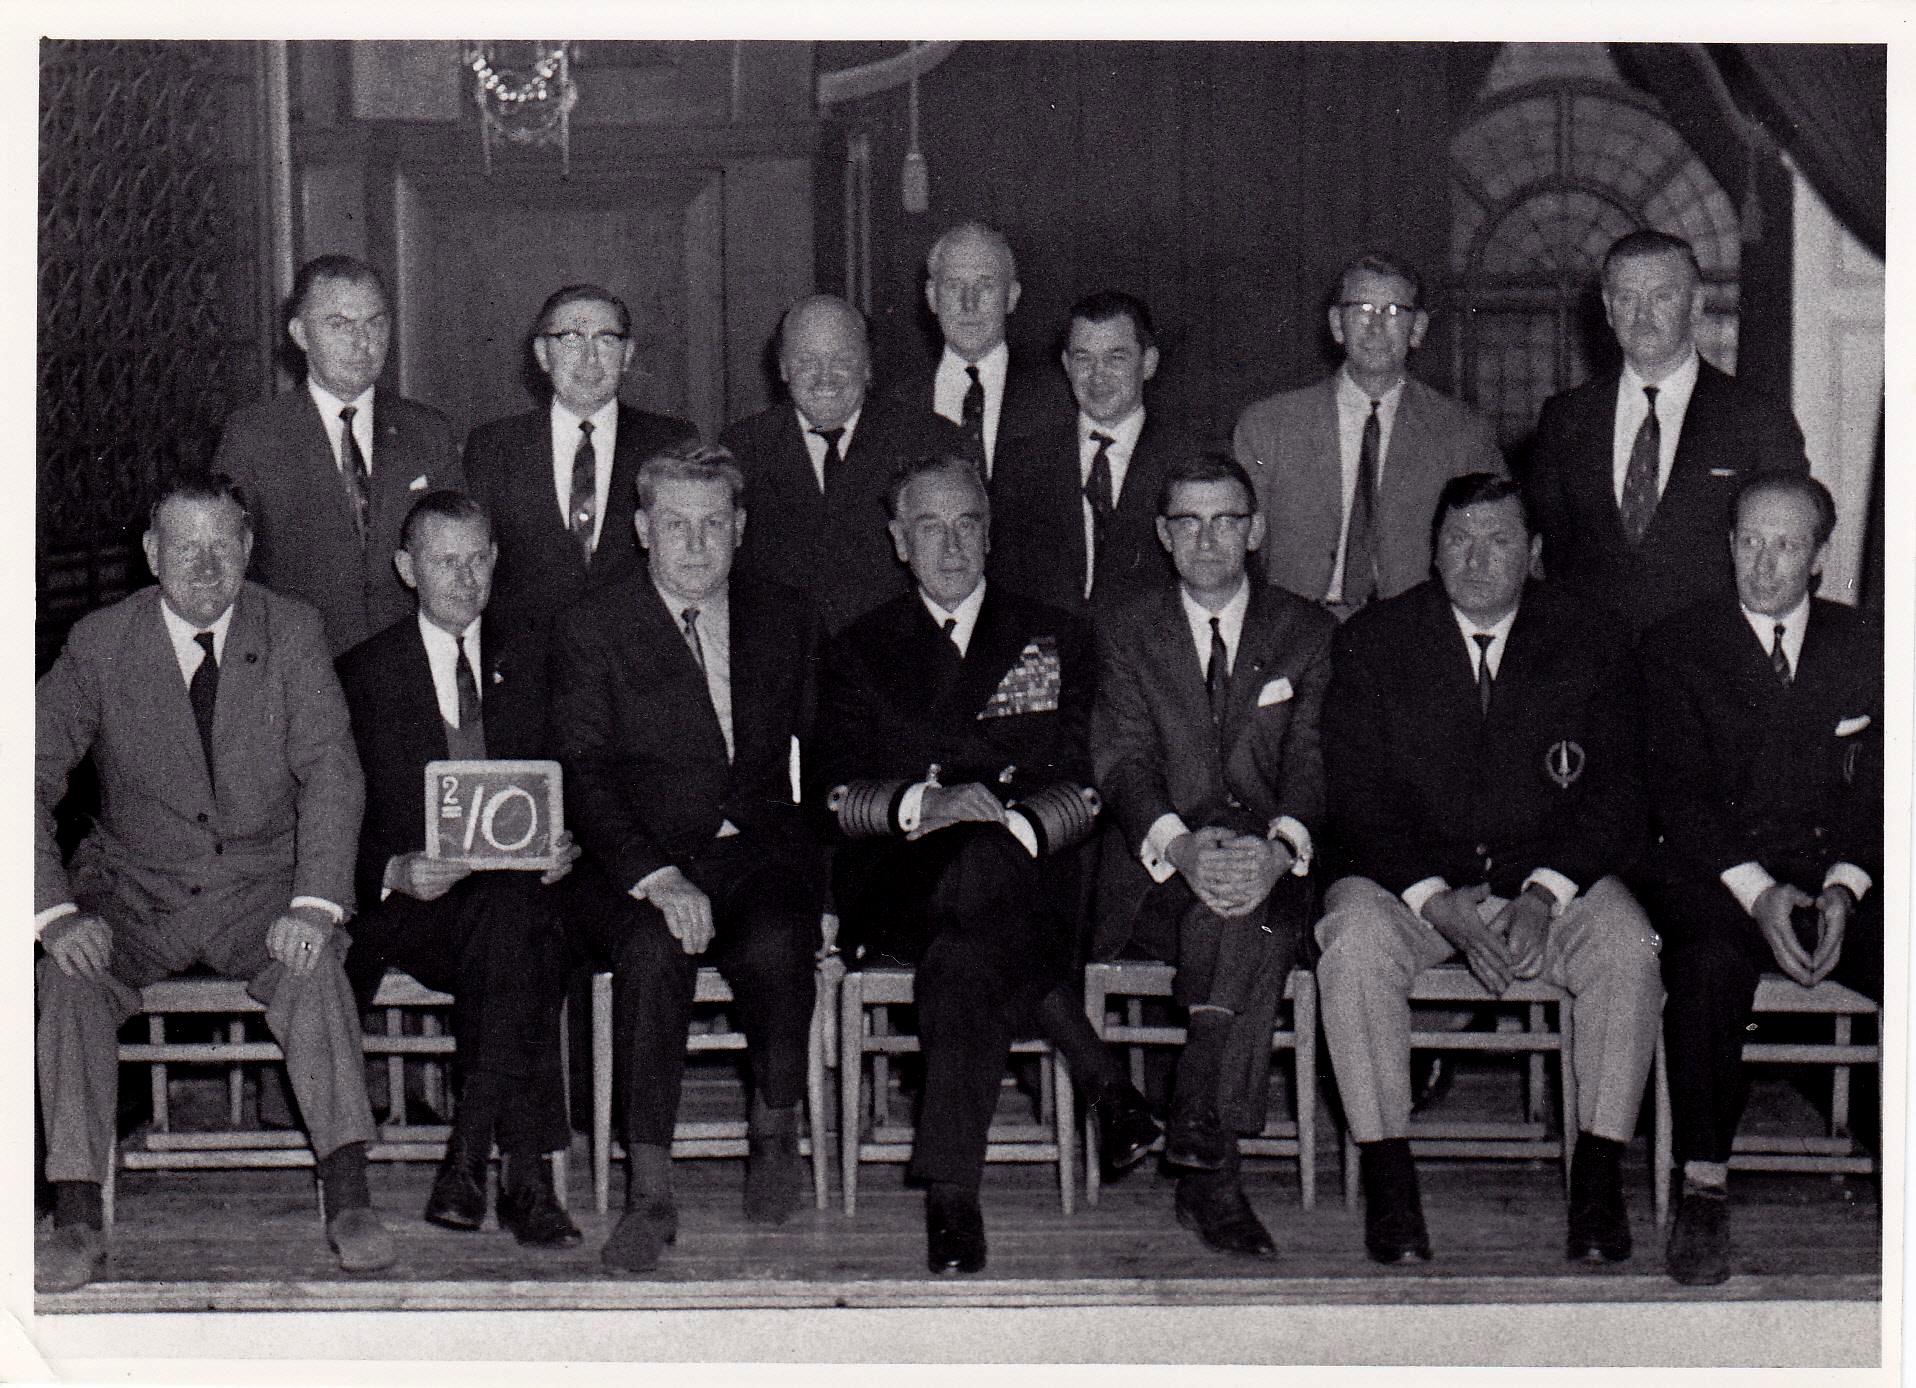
x=296, y=940
x=1525, y=925
x=567, y=852
x=1833, y=908
x=1259, y=863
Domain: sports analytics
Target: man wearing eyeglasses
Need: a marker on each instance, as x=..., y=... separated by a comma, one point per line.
x=1348, y=469
x=1764, y=756
x=1633, y=471
x=559, y=481
x=331, y=468
x=1206, y=745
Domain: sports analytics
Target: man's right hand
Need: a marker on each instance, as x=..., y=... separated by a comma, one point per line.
x=1772, y=913
x=423, y=878
x=943, y=806
x=1224, y=876
x=687, y=910
x=81, y=945
x=1454, y=914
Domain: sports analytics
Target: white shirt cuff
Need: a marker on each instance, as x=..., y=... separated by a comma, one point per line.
x=1417, y=893
x=1165, y=830
x=641, y=889
x=1022, y=831
x=1848, y=875
x=319, y=903
x=726, y=830
x=1747, y=882
x=1554, y=882
x=1298, y=837
x=67, y=908
x=910, y=805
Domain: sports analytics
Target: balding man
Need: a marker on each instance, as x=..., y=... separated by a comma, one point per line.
x=816, y=468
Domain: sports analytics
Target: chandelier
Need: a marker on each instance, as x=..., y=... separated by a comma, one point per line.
x=529, y=106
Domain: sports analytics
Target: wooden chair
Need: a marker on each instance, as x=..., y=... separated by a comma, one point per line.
x=1834, y=1152
x=1133, y=982
x=727, y=1138
x=1527, y=1139
x=867, y=1034
x=163, y=1147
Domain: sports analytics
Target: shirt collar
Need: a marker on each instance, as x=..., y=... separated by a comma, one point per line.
x=182, y=631
x=965, y=614
x=850, y=426
x=1498, y=630
x=1351, y=394
x=330, y=405
x=1124, y=434
x=435, y=635
x=714, y=608
x=991, y=366
x=1795, y=622
x=1679, y=382
x=604, y=419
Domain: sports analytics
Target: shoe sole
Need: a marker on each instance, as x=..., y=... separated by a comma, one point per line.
x=1192, y=1161
x=440, y=1221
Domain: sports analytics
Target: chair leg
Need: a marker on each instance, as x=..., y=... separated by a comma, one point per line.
x=1534, y=1100
x=602, y=1091
x=1304, y=1056
x=562, y=1179
x=109, y=1186
x=1066, y=1120
x=1134, y=1015
x=1350, y=1170
x=1566, y=1067
x=1663, y=1140
x=235, y=1076
x=851, y=1068
x=815, y=1111
x=1094, y=1013
x=1839, y=1083
x=156, y=1074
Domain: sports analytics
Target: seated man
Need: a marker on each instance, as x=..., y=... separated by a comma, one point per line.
x=1765, y=761
x=430, y=687
x=951, y=753
x=1481, y=765
x=676, y=694
x=230, y=800
x=1205, y=736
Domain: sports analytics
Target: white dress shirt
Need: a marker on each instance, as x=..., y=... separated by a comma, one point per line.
x=329, y=406
x=1673, y=402
x=949, y=384
x=815, y=446
x=442, y=657
x=1353, y=409
x=1124, y=440
x=565, y=444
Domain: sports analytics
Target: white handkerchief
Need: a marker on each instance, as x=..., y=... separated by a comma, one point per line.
x=418, y=484
x=1274, y=692
x=1723, y=472
x=1849, y=727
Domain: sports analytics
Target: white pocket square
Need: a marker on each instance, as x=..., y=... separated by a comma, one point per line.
x=1275, y=692
x=1849, y=727
x=418, y=484
x=1723, y=472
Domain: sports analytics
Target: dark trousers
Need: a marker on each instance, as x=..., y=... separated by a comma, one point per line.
x=765, y=907
x=496, y=942
x=1713, y=957
x=987, y=926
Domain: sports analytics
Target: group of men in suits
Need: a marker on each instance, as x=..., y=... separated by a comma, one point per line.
x=1325, y=676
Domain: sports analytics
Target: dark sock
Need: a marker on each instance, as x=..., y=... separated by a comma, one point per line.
x=1604, y=1149
x=766, y=1121
x=648, y=1173
x=77, y=1202
x=342, y=1176
x=477, y=1119
x=939, y=1192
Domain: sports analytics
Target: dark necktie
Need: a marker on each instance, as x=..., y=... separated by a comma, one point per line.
x=353, y=469
x=468, y=684
x=1360, y=546
x=1483, y=640
x=951, y=634
x=1217, y=674
x=203, y=693
x=1779, y=658
x=585, y=497
x=834, y=460
x=1098, y=491
x=971, y=417
x=690, y=616
x=1640, y=477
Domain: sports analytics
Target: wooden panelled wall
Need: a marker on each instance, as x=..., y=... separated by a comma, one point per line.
x=1224, y=183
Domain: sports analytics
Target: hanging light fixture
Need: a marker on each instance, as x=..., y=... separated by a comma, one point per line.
x=530, y=107
x=914, y=180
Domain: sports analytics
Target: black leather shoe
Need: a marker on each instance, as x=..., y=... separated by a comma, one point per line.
x=1223, y=1218
x=1599, y=1226
x=954, y=1231
x=1699, y=1251
x=645, y=1231
x=458, y=1199
x=531, y=1211
x=1126, y=1129
x=1196, y=1140
x=1393, y=1212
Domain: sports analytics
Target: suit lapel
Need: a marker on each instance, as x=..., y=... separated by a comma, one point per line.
x=1594, y=482
x=657, y=627
x=752, y=636
x=242, y=676
x=1683, y=494
x=161, y=695
x=419, y=699
x=1255, y=645
x=1177, y=660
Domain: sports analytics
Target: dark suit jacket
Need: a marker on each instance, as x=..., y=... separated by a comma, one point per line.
x=398, y=729
x=647, y=781
x=1029, y=397
x=1158, y=753
x=834, y=545
x=1289, y=444
x=304, y=541
x=1730, y=431
x=290, y=794
x=1741, y=768
x=1037, y=516
x=1421, y=785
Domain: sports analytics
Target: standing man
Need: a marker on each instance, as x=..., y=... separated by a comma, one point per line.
x=1633, y=471
x=677, y=693
x=1481, y=759
x=438, y=685
x=331, y=469
x=1765, y=759
x=230, y=802
x=1077, y=496
x=951, y=756
x=1348, y=470
x=1205, y=736
x=816, y=469
x=558, y=481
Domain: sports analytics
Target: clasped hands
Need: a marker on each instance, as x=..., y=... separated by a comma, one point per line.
x=1501, y=950
x=1772, y=912
x=1231, y=873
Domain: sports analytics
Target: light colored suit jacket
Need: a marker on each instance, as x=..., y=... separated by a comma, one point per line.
x=1288, y=443
x=286, y=817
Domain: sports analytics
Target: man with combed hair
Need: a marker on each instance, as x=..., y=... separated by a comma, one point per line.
x=1348, y=468
x=951, y=758
x=330, y=468
x=230, y=800
x=676, y=694
x=1764, y=713
x=816, y=468
x=1633, y=471
x=1206, y=743
x=1076, y=497
x=1480, y=754
x=450, y=683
